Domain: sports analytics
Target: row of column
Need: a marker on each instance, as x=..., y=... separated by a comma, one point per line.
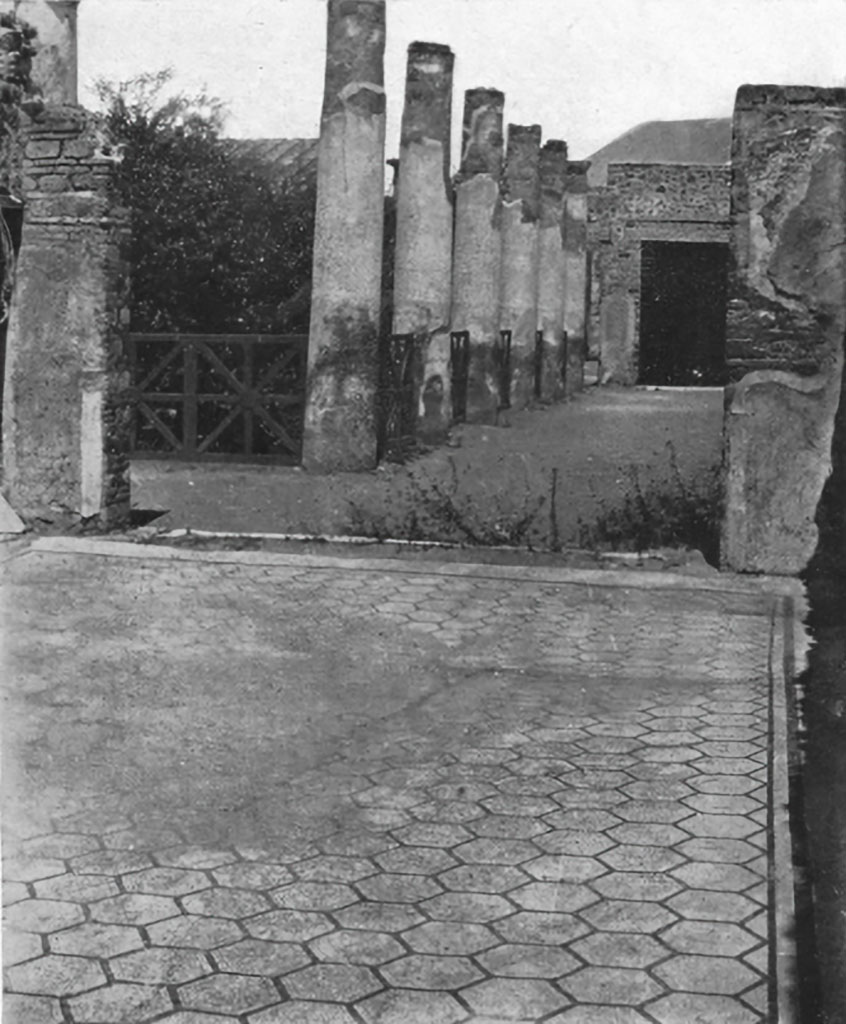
x=490, y=272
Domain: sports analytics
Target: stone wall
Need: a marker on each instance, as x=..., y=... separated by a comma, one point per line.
x=786, y=323
x=643, y=202
x=787, y=151
x=65, y=423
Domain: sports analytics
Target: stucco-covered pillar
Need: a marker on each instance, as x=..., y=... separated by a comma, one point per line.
x=65, y=418
x=518, y=310
x=54, y=67
x=576, y=282
x=340, y=418
x=477, y=254
x=552, y=173
x=786, y=321
x=423, y=260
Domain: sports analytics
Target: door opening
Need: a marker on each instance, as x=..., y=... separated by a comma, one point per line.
x=683, y=295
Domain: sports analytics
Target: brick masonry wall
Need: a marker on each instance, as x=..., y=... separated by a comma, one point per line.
x=66, y=444
x=643, y=202
x=788, y=160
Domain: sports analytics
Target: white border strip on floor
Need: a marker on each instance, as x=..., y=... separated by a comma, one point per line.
x=640, y=579
x=783, y=958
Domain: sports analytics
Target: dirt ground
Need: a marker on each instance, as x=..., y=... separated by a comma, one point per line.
x=539, y=480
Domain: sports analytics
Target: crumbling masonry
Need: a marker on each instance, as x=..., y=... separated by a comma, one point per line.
x=65, y=417
x=65, y=422
x=786, y=321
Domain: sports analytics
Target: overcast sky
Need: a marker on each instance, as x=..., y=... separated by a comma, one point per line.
x=586, y=70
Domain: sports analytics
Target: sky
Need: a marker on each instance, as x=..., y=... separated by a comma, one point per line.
x=586, y=70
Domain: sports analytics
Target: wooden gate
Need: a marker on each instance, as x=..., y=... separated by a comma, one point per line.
x=220, y=397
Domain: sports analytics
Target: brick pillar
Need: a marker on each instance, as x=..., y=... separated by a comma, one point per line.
x=65, y=429
x=576, y=282
x=518, y=311
x=423, y=260
x=54, y=68
x=340, y=418
x=477, y=253
x=786, y=321
x=552, y=173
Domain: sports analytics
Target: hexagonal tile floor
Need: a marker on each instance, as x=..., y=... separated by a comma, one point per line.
x=569, y=826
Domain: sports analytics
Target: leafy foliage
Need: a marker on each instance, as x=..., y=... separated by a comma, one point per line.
x=219, y=244
x=445, y=509
x=662, y=512
x=17, y=48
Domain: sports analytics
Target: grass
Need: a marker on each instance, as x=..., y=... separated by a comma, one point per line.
x=660, y=512
x=451, y=509
x=655, y=507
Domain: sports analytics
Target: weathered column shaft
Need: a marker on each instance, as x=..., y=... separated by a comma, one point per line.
x=575, y=275
x=65, y=419
x=786, y=321
x=340, y=419
x=55, y=67
x=423, y=260
x=477, y=254
x=518, y=310
x=552, y=172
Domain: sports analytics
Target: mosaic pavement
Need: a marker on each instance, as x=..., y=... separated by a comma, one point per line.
x=573, y=830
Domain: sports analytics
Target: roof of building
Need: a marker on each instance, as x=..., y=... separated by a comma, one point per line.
x=706, y=141
x=284, y=156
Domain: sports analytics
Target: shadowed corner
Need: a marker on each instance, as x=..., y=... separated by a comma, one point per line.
x=820, y=793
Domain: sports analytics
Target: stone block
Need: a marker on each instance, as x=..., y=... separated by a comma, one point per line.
x=778, y=435
x=41, y=149
x=53, y=183
x=78, y=149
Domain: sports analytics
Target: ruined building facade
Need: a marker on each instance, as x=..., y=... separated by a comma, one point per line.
x=658, y=237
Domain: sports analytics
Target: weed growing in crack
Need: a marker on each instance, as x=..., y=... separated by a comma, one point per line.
x=437, y=510
x=667, y=511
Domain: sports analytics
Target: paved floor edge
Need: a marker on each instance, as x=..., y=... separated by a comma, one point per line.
x=638, y=579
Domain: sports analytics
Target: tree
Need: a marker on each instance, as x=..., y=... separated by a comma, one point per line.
x=219, y=245
x=17, y=48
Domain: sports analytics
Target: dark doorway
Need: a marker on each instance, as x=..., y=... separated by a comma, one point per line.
x=683, y=287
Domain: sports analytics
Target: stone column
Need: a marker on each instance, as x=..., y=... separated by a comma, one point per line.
x=576, y=275
x=54, y=68
x=340, y=418
x=423, y=260
x=518, y=310
x=477, y=253
x=65, y=420
x=786, y=321
x=552, y=171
